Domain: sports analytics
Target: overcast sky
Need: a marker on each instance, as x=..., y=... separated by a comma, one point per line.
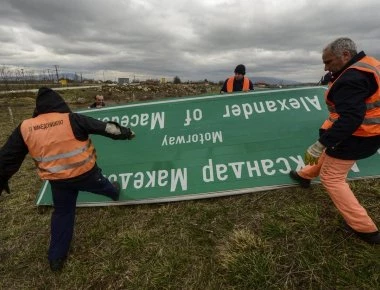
x=194, y=39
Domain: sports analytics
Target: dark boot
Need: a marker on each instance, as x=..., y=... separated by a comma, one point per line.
x=370, y=238
x=303, y=182
x=117, y=188
x=57, y=265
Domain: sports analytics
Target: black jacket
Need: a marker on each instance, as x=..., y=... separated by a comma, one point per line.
x=95, y=105
x=237, y=87
x=325, y=79
x=13, y=153
x=348, y=94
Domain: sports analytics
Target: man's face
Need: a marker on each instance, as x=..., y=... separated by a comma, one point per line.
x=335, y=63
x=99, y=100
x=238, y=76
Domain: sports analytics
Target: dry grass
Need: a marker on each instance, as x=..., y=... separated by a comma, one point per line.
x=281, y=239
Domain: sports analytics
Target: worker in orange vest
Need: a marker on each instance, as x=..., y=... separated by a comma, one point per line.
x=58, y=142
x=238, y=82
x=351, y=132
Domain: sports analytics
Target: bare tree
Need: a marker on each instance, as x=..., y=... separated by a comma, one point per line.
x=4, y=77
x=176, y=80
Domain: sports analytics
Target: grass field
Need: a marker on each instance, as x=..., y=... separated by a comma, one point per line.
x=281, y=239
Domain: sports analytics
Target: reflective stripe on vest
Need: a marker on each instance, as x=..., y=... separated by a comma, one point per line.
x=63, y=155
x=371, y=123
x=59, y=168
x=374, y=69
x=369, y=106
x=54, y=148
x=366, y=121
x=230, y=84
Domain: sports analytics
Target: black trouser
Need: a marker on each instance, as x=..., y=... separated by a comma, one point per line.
x=65, y=195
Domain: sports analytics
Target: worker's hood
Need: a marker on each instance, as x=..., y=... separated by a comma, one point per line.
x=48, y=101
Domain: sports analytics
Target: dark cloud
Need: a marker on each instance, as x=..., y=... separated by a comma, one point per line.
x=192, y=39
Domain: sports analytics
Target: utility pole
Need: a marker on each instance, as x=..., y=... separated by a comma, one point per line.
x=49, y=76
x=81, y=78
x=23, y=76
x=56, y=72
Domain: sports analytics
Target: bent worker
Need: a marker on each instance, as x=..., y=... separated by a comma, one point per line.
x=238, y=82
x=58, y=141
x=351, y=132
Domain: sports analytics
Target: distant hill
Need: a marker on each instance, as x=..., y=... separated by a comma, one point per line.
x=272, y=81
x=254, y=79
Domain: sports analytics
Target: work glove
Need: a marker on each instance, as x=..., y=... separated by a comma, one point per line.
x=119, y=132
x=4, y=186
x=126, y=133
x=131, y=134
x=313, y=153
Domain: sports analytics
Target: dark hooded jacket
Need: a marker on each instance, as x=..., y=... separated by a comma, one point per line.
x=13, y=153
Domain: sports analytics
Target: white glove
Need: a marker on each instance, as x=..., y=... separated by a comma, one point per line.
x=313, y=153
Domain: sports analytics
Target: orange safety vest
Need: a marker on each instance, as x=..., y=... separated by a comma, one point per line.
x=371, y=123
x=54, y=148
x=230, y=84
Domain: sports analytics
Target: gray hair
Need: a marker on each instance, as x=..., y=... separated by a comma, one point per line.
x=338, y=46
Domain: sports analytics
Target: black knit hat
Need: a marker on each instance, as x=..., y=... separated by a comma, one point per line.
x=240, y=69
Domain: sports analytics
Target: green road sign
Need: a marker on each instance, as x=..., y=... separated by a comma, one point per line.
x=200, y=147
